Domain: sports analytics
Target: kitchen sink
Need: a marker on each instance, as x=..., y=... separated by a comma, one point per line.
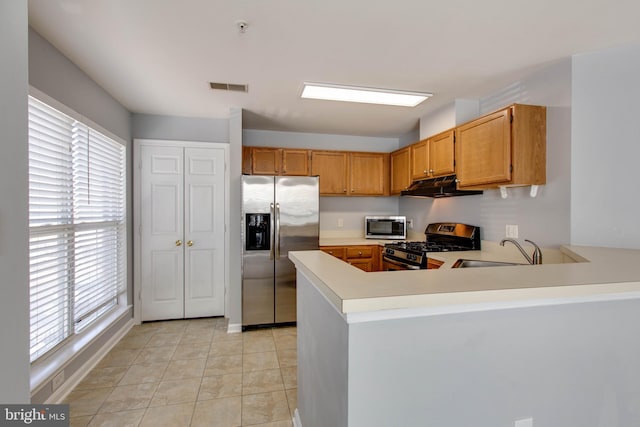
x=469, y=263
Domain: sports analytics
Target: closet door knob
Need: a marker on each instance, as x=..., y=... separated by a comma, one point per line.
x=190, y=243
x=178, y=242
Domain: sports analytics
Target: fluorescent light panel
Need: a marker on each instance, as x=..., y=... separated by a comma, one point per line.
x=363, y=94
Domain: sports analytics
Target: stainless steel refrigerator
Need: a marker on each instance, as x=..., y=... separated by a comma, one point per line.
x=280, y=214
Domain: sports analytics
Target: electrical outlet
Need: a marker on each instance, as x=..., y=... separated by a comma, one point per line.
x=512, y=231
x=526, y=422
x=57, y=381
x=340, y=223
x=410, y=223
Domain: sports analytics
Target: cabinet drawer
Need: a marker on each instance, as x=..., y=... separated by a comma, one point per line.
x=359, y=252
x=336, y=251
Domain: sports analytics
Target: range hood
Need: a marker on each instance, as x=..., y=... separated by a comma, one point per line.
x=444, y=186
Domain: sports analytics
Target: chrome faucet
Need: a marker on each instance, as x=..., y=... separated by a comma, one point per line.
x=537, y=253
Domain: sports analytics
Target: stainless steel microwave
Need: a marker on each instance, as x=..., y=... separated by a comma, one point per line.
x=385, y=227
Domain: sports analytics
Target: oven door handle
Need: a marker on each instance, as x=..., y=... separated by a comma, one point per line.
x=401, y=264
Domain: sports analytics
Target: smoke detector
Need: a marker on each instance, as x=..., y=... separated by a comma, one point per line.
x=242, y=25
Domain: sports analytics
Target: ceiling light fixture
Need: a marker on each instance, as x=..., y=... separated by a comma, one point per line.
x=367, y=95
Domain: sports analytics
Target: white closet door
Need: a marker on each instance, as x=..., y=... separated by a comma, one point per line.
x=162, y=233
x=204, y=232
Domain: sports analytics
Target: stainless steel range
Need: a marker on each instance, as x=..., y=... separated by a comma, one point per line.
x=440, y=237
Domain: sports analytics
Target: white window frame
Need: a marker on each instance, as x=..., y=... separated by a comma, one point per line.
x=48, y=364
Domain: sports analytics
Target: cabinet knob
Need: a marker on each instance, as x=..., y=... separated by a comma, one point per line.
x=178, y=242
x=353, y=191
x=344, y=190
x=425, y=172
x=431, y=170
x=190, y=243
x=360, y=253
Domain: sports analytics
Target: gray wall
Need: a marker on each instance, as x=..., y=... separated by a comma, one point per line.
x=563, y=365
x=14, y=236
x=318, y=141
x=545, y=218
x=149, y=126
x=605, y=148
x=323, y=364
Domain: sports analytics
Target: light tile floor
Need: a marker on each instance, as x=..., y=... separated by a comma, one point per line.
x=191, y=373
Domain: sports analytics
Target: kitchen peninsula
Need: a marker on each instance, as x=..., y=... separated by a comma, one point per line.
x=557, y=343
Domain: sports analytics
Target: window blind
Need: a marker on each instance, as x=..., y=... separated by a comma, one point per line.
x=77, y=214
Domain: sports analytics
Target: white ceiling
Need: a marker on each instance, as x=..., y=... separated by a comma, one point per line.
x=158, y=56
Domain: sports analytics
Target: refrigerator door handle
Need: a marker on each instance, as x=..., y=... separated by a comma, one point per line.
x=277, y=243
x=271, y=232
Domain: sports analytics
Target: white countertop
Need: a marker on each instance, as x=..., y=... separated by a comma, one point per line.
x=599, y=272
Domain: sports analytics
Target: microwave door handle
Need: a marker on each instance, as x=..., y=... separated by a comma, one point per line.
x=271, y=232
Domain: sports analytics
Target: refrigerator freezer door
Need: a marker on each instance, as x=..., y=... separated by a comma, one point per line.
x=257, y=267
x=297, y=207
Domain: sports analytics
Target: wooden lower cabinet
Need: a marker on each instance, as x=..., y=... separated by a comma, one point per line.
x=433, y=263
x=364, y=257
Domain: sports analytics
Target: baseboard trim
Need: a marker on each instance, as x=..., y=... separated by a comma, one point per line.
x=67, y=387
x=234, y=328
x=296, y=418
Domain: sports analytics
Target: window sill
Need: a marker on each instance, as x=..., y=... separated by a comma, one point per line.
x=43, y=370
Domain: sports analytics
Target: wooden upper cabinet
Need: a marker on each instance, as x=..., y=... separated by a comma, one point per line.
x=333, y=169
x=420, y=160
x=246, y=160
x=400, y=170
x=368, y=174
x=441, y=154
x=266, y=161
x=433, y=157
x=295, y=162
x=278, y=161
x=505, y=148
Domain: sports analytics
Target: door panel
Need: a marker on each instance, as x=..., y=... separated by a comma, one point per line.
x=161, y=263
x=257, y=265
x=297, y=198
x=204, y=232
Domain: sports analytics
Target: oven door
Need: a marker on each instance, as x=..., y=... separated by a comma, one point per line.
x=389, y=264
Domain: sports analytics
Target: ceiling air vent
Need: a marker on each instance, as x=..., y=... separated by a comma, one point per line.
x=229, y=86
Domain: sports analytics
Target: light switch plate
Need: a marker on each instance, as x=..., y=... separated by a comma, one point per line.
x=526, y=422
x=511, y=231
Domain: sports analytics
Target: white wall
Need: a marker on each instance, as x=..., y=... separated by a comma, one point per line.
x=14, y=237
x=605, y=148
x=544, y=219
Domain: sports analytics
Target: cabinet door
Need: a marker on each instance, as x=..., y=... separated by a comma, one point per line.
x=362, y=264
x=400, y=170
x=265, y=161
x=246, y=160
x=295, y=162
x=332, y=168
x=367, y=174
x=420, y=160
x=441, y=154
x=483, y=150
